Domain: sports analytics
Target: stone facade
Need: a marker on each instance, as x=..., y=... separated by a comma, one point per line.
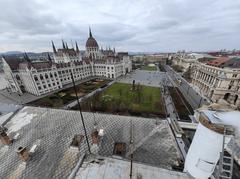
x=38, y=78
x=218, y=83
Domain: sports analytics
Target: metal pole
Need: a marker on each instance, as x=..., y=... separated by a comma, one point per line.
x=131, y=165
x=131, y=148
x=80, y=110
x=200, y=102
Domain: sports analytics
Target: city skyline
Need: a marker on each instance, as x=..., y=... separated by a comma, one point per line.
x=145, y=26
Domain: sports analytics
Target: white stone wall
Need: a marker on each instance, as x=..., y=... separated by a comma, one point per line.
x=3, y=82
x=93, y=52
x=39, y=82
x=10, y=77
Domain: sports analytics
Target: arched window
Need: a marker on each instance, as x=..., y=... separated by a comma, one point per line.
x=17, y=77
x=35, y=78
x=41, y=77
x=226, y=96
x=46, y=75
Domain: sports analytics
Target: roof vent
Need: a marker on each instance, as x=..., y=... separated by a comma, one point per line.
x=23, y=153
x=95, y=137
x=119, y=148
x=5, y=139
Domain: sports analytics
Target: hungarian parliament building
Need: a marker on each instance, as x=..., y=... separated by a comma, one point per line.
x=41, y=77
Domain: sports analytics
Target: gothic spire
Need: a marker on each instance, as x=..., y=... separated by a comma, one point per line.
x=26, y=57
x=49, y=57
x=77, y=49
x=66, y=45
x=90, y=32
x=63, y=44
x=54, y=49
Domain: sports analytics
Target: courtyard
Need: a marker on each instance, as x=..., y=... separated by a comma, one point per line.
x=65, y=96
x=127, y=99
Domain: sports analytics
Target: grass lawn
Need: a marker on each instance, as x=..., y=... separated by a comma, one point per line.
x=149, y=68
x=120, y=98
x=65, y=96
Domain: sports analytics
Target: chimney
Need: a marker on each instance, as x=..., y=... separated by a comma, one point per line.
x=76, y=141
x=23, y=153
x=5, y=138
x=95, y=137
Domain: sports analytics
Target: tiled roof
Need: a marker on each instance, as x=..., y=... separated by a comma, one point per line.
x=232, y=63
x=91, y=42
x=218, y=62
x=36, y=65
x=52, y=131
x=69, y=51
x=13, y=62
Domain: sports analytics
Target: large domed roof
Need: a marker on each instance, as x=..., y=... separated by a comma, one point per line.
x=91, y=42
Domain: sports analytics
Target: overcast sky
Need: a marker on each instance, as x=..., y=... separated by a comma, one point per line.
x=130, y=25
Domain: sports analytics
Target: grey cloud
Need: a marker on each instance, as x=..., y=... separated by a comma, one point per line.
x=137, y=25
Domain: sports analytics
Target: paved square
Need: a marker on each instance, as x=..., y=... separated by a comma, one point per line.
x=148, y=78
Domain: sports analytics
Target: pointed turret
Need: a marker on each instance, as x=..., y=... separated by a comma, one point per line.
x=26, y=57
x=77, y=49
x=114, y=50
x=49, y=57
x=63, y=44
x=90, y=32
x=54, y=49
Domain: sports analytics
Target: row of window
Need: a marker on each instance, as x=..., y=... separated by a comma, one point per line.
x=36, y=78
x=49, y=85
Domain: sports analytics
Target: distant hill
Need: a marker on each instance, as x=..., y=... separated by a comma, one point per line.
x=11, y=53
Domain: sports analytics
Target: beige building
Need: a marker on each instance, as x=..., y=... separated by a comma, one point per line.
x=187, y=60
x=219, y=82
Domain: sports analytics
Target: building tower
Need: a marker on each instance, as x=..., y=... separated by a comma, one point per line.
x=92, y=49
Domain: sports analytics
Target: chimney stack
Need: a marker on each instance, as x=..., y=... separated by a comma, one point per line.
x=23, y=153
x=76, y=141
x=95, y=137
x=5, y=139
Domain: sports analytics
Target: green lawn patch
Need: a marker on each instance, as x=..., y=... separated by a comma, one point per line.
x=149, y=68
x=120, y=98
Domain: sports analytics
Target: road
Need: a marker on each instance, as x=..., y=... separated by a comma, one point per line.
x=194, y=98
